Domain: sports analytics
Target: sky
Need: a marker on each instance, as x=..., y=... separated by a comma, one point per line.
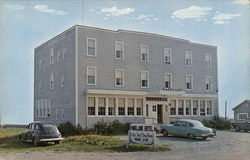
x=25, y=24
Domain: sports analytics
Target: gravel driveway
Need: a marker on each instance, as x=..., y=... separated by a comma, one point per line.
x=225, y=146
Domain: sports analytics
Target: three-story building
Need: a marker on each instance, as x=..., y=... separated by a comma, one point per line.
x=86, y=74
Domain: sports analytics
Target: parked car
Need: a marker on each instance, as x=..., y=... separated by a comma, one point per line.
x=41, y=132
x=243, y=125
x=188, y=128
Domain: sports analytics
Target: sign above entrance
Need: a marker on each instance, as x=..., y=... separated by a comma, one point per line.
x=172, y=92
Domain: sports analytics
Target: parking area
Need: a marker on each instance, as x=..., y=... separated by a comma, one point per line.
x=225, y=146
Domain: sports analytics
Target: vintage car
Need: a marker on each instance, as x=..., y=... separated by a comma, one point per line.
x=41, y=132
x=188, y=128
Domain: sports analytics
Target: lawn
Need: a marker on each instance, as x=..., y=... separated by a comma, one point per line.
x=85, y=143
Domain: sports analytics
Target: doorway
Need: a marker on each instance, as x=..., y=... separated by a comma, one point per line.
x=159, y=113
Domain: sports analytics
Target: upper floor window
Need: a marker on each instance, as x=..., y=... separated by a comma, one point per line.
x=189, y=82
x=168, y=80
x=144, y=53
x=62, y=81
x=208, y=83
x=40, y=64
x=91, y=75
x=91, y=47
x=119, y=77
x=188, y=58
x=119, y=50
x=144, y=79
x=51, y=55
x=58, y=56
x=64, y=53
x=51, y=81
x=167, y=55
x=208, y=61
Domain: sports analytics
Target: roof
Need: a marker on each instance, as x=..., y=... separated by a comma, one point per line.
x=245, y=101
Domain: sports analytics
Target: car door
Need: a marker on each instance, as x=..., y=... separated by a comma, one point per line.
x=175, y=129
x=184, y=128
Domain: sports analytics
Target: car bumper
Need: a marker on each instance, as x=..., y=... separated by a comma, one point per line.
x=208, y=135
x=51, y=139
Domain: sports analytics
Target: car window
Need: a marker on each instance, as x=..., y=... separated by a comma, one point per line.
x=178, y=123
x=184, y=124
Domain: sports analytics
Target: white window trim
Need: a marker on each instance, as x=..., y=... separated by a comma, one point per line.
x=170, y=50
x=210, y=59
x=123, y=54
x=170, y=79
x=51, y=80
x=238, y=115
x=211, y=78
x=191, y=57
x=58, y=56
x=147, y=79
x=146, y=53
x=95, y=75
x=122, y=77
x=191, y=82
x=88, y=38
x=51, y=58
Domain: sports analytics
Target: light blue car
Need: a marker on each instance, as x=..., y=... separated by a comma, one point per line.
x=188, y=128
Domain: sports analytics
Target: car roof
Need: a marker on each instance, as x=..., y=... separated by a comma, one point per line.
x=188, y=120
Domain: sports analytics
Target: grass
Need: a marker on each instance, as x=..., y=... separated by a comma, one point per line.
x=85, y=143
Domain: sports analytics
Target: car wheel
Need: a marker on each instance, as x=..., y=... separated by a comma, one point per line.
x=57, y=142
x=237, y=129
x=35, y=142
x=165, y=133
x=191, y=136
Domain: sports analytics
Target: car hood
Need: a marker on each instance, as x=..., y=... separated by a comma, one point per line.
x=205, y=129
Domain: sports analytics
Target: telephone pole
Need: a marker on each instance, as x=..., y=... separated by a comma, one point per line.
x=225, y=109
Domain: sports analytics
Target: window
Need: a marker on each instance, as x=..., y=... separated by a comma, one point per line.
x=188, y=58
x=119, y=77
x=51, y=81
x=119, y=50
x=189, y=82
x=91, y=75
x=121, y=106
x=91, y=105
x=147, y=110
x=51, y=55
x=202, y=108
x=40, y=64
x=64, y=53
x=62, y=81
x=168, y=80
x=139, y=107
x=91, y=47
x=101, y=105
x=208, y=83
x=167, y=55
x=58, y=56
x=173, y=107
x=209, y=107
x=111, y=106
x=48, y=107
x=144, y=79
x=144, y=53
x=188, y=107
x=40, y=86
x=242, y=116
x=195, y=107
x=208, y=61
x=154, y=108
x=131, y=109
x=180, y=107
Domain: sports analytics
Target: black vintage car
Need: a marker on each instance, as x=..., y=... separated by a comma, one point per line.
x=41, y=132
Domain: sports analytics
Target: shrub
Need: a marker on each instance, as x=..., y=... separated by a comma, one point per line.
x=67, y=129
x=218, y=123
x=112, y=128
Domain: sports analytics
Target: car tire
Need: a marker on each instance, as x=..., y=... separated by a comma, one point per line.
x=191, y=136
x=57, y=142
x=165, y=133
x=35, y=142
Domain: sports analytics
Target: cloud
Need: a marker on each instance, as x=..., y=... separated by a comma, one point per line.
x=142, y=18
x=223, y=18
x=241, y=2
x=114, y=11
x=193, y=12
x=45, y=9
x=14, y=6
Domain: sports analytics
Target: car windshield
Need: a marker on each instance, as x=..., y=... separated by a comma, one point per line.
x=198, y=124
x=50, y=128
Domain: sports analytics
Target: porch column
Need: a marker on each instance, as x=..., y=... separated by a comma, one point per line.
x=144, y=107
x=96, y=106
x=205, y=107
x=184, y=107
x=135, y=105
x=126, y=106
x=199, y=108
x=191, y=112
x=116, y=106
x=106, y=106
x=176, y=107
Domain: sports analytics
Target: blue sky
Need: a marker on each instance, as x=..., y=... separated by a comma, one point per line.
x=26, y=24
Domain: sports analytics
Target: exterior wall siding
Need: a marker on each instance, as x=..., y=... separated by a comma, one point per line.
x=242, y=108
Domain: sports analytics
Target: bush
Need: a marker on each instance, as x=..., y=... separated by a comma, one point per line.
x=112, y=128
x=67, y=129
x=218, y=123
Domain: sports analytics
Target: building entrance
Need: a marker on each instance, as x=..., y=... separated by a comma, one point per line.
x=159, y=113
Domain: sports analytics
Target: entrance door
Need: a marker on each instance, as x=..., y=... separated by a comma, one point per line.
x=159, y=113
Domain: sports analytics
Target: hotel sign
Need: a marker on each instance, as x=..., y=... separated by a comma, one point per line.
x=141, y=134
x=172, y=91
